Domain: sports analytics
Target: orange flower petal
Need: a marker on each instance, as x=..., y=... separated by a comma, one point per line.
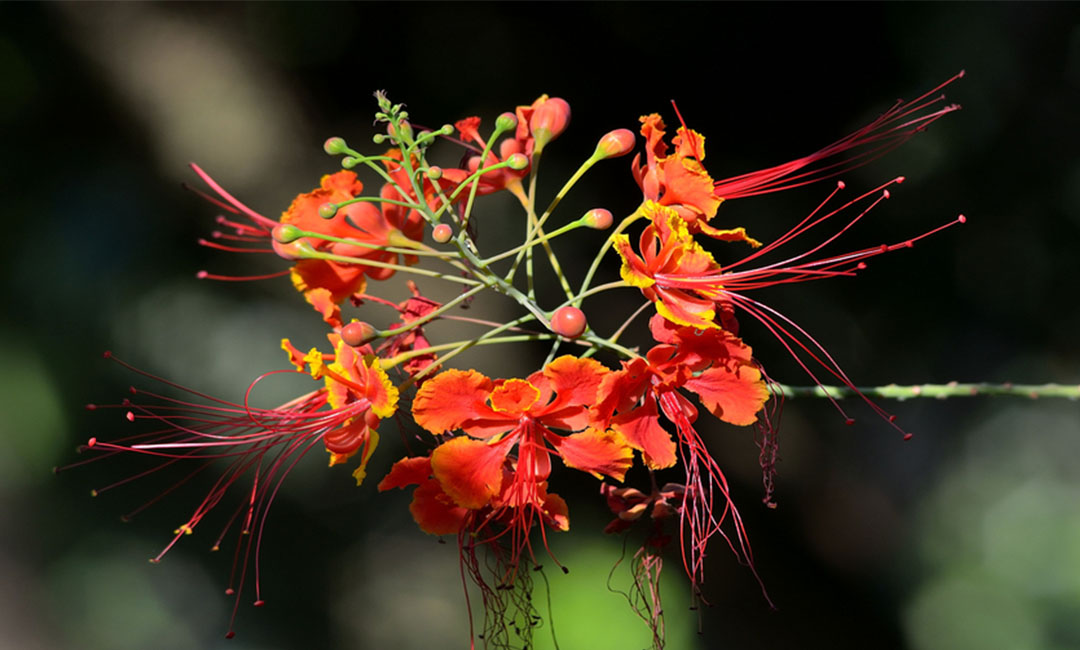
x=470, y=471
x=556, y=513
x=642, y=430
x=575, y=380
x=296, y=357
x=322, y=300
x=682, y=308
x=450, y=399
x=514, y=397
x=728, y=234
x=734, y=396
x=435, y=512
x=405, y=472
x=596, y=452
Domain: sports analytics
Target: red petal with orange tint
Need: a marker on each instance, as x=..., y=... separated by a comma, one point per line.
x=470, y=471
x=405, y=472
x=595, y=451
x=575, y=380
x=435, y=512
x=642, y=430
x=733, y=396
x=450, y=399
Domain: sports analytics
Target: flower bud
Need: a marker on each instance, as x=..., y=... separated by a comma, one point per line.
x=614, y=144
x=442, y=233
x=434, y=172
x=378, y=138
x=517, y=162
x=285, y=233
x=598, y=219
x=328, y=210
x=403, y=131
x=549, y=120
x=357, y=333
x=506, y=121
x=568, y=321
x=334, y=146
x=349, y=162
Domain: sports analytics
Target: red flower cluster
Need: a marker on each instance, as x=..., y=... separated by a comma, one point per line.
x=485, y=472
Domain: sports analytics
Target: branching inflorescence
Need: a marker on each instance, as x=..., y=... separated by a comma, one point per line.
x=488, y=469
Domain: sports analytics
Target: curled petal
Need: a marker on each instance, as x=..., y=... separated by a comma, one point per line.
x=296, y=357
x=514, y=397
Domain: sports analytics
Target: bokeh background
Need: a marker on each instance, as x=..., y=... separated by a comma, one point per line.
x=966, y=537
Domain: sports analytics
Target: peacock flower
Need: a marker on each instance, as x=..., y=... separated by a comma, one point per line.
x=324, y=283
x=667, y=248
x=254, y=448
x=499, y=416
x=504, y=460
x=713, y=364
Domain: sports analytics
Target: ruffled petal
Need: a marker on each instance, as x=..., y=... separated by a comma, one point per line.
x=514, y=397
x=634, y=271
x=450, y=399
x=575, y=380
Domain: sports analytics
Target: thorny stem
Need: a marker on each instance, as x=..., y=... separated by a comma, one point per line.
x=937, y=391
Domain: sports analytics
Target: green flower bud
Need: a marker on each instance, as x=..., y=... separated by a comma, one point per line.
x=334, y=146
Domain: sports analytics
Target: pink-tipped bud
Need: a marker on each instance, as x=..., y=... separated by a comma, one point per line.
x=598, y=219
x=327, y=210
x=517, y=162
x=284, y=233
x=357, y=333
x=506, y=121
x=334, y=146
x=442, y=233
x=617, y=143
x=434, y=172
x=549, y=120
x=568, y=321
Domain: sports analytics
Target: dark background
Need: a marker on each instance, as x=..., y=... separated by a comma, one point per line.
x=965, y=537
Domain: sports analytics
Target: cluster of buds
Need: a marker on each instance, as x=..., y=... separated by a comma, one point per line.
x=486, y=471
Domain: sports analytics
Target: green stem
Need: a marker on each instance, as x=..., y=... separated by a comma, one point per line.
x=462, y=347
x=413, y=324
x=311, y=254
x=405, y=356
x=938, y=391
x=419, y=249
x=519, y=249
x=623, y=225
